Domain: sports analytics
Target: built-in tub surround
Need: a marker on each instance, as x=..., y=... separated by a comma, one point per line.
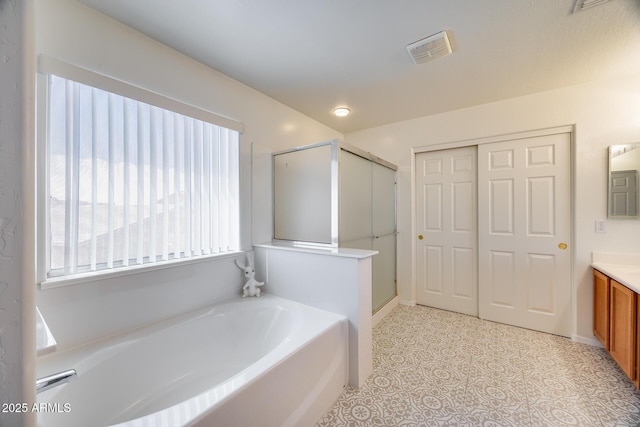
x=333, y=279
x=45, y=341
x=248, y=361
x=624, y=268
x=85, y=312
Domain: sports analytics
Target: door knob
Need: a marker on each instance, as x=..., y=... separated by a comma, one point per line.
x=562, y=245
x=420, y=237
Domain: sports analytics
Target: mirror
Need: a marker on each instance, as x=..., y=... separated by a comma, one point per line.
x=624, y=166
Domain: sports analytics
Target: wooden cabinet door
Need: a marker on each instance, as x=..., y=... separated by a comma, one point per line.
x=601, y=307
x=622, y=339
x=637, y=380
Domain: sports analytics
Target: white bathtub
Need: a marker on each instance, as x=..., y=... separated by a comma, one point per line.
x=257, y=361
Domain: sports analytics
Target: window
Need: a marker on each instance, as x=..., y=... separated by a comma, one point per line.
x=130, y=183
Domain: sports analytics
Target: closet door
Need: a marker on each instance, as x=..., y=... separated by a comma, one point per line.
x=524, y=219
x=447, y=230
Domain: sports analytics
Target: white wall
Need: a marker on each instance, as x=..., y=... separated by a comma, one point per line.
x=17, y=316
x=604, y=113
x=76, y=34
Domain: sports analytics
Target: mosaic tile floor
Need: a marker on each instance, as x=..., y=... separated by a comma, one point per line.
x=437, y=368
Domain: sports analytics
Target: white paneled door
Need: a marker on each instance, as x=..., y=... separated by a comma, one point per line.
x=447, y=230
x=524, y=231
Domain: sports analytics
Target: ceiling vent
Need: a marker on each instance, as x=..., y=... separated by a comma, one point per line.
x=430, y=48
x=587, y=4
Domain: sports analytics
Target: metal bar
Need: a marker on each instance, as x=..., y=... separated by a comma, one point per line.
x=51, y=381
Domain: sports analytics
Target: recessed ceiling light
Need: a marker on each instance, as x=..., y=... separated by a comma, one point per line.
x=342, y=111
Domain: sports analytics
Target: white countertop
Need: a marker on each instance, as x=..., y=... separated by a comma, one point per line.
x=319, y=250
x=623, y=268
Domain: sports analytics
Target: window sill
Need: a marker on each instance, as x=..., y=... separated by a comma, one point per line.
x=92, y=276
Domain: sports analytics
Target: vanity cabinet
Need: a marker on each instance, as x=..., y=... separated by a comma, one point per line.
x=615, y=322
x=601, y=285
x=637, y=363
x=622, y=329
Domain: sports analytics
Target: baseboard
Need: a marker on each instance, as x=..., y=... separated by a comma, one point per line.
x=589, y=341
x=410, y=303
x=386, y=309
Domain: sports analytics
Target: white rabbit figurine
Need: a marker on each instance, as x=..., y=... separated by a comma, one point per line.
x=252, y=287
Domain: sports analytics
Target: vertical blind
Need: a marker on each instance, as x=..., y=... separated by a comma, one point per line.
x=131, y=183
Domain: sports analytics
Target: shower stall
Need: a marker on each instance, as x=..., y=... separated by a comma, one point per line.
x=333, y=195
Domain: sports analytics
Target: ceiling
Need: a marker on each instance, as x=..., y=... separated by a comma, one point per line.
x=315, y=55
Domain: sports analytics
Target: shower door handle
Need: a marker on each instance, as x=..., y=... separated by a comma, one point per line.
x=395, y=233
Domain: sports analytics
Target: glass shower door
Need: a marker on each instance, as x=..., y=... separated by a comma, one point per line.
x=383, y=223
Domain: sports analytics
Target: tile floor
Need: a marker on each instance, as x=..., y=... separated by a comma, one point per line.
x=438, y=368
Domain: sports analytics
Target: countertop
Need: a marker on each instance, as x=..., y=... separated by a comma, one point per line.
x=623, y=268
x=318, y=250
